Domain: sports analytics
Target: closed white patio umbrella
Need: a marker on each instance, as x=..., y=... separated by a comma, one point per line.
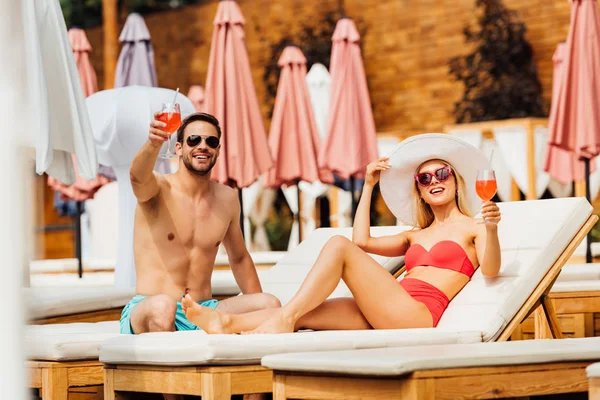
x=44, y=119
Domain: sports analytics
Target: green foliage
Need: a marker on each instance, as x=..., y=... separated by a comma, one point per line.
x=279, y=224
x=88, y=13
x=314, y=39
x=500, y=76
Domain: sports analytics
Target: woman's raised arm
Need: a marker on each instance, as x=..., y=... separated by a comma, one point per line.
x=391, y=246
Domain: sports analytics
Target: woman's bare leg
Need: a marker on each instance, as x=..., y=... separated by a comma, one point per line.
x=338, y=314
x=379, y=298
x=383, y=302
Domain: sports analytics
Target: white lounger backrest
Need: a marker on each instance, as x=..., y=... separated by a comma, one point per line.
x=533, y=234
x=47, y=302
x=284, y=279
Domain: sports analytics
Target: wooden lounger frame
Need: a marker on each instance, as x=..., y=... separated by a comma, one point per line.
x=220, y=382
x=111, y=314
x=594, y=389
x=575, y=309
x=56, y=379
x=439, y=384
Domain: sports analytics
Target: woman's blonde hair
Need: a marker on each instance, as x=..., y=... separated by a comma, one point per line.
x=424, y=214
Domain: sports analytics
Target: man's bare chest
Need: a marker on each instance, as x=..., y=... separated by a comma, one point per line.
x=193, y=225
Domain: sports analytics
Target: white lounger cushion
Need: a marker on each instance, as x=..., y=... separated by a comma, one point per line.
x=197, y=348
x=531, y=242
x=70, y=265
x=579, y=272
x=58, y=301
x=578, y=278
x=62, y=342
x=400, y=361
x=48, y=302
x=223, y=283
x=258, y=257
x=576, y=286
x=593, y=371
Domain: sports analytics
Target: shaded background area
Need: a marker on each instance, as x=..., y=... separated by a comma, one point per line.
x=407, y=46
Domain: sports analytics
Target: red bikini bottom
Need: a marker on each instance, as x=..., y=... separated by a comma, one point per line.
x=433, y=298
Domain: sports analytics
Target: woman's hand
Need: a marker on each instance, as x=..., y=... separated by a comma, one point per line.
x=374, y=171
x=490, y=212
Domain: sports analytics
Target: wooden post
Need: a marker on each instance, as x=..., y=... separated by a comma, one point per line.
x=110, y=24
x=333, y=194
x=216, y=386
x=531, y=183
x=594, y=389
x=515, y=192
x=55, y=385
x=580, y=189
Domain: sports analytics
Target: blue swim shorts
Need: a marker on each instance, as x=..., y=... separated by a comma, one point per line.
x=181, y=322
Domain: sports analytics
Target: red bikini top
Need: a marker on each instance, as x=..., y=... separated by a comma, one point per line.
x=446, y=254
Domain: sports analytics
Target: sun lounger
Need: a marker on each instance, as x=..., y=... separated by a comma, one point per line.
x=576, y=299
x=62, y=265
x=65, y=356
x=593, y=374
x=63, y=351
x=535, y=248
x=468, y=371
x=261, y=259
x=71, y=304
x=55, y=305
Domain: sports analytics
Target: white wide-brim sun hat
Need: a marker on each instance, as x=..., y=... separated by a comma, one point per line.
x=397, y=183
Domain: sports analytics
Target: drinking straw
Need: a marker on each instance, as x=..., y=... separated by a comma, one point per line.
x=175, y=98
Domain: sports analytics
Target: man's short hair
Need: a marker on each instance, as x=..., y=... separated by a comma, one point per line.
x=200, y=116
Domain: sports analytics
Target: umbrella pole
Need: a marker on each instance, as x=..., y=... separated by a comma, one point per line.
x=78, y=238
x=241, y=211
x=352, y=192
x=588, y=240
x=298, y=216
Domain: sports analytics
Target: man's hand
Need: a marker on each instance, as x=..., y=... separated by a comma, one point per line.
x=143, y=181
x=157, y=136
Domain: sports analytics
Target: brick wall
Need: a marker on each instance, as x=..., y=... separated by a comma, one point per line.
x=405, y=50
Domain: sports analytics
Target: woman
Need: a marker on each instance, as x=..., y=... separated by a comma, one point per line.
x=429, y=183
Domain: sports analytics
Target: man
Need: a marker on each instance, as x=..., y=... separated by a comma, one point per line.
x=180, y=221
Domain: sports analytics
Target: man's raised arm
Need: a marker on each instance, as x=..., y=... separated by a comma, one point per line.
x=143, y=180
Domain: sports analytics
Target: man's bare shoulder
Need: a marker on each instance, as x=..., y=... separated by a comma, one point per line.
x=225, y=194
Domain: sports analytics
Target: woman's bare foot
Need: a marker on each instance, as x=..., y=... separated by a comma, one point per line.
x=209, y=320
x=278, y=323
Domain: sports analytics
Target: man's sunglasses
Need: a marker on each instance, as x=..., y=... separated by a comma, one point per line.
x=211, y=141
x=426, y=178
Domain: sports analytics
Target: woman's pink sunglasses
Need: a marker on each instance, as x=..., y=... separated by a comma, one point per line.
x=426, y=178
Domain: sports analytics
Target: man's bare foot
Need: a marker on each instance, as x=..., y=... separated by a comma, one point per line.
x=209, y=320
x=278, y=323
